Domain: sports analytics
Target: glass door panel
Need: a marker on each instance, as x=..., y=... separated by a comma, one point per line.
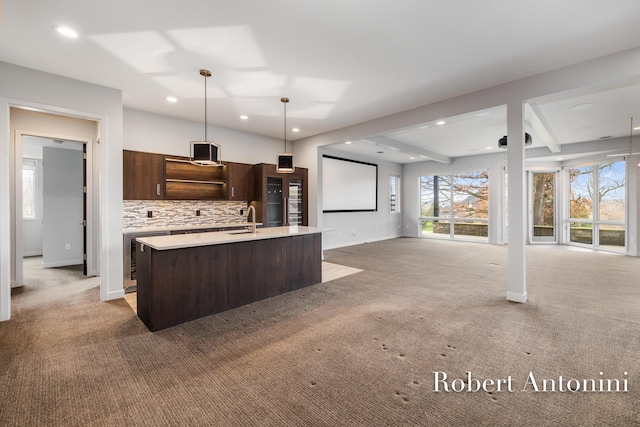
x=543, y=212
x=274, y=202
x=295, y=204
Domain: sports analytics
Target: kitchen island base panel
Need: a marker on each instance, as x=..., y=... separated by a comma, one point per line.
x=180, y=285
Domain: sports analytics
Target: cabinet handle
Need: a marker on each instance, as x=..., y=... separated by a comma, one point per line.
x=157, y=189
x=233, y=192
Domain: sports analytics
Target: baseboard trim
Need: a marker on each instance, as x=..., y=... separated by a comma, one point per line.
x=115, y=295
x=62, y=263
x=521, y=298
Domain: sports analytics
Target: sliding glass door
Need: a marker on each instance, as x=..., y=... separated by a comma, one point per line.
x=542, y=211
x=597, y=206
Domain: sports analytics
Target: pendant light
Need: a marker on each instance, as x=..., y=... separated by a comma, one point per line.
x=285, y=160
x=205, y=153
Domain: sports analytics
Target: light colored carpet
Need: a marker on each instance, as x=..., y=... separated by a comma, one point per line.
x=356, y=351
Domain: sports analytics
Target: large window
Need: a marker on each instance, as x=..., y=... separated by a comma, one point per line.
x=394, y=193
x=597, y=205
x=29, y=205
x=461, y=200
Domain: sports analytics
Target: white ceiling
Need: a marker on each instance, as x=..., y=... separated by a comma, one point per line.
x=340, y=62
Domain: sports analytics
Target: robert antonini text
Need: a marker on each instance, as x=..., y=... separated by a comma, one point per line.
x=531, y=383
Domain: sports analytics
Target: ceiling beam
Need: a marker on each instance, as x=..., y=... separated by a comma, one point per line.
x=541, y=128
x=410, y=149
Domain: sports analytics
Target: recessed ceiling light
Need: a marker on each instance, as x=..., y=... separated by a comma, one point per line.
x=560, y=158
x=488, y=148
x=348, y=142
x=295, y=130
x=172, y=99
x=67, y=32
x=441, y=122
x=412, y=158
x=636, y=128
x=579, y=107
x=243, y=117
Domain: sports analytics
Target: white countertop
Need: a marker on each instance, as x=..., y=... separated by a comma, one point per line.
x=178, y=241
x=169, y=228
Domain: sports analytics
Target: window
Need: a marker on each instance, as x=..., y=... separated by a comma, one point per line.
x=29, y=189
x=394, y=193
x=461, y=199
x=597, y=205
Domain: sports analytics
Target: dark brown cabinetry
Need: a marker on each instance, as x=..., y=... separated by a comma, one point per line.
x=186, y=181
x=280, y=199
x=179, y=285
x=151, y=176
x=239, y=181
x=143, y=175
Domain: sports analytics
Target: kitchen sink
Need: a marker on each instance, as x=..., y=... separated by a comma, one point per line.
x=242, y=232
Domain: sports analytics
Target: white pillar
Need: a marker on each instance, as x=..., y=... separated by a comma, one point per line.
x=516, y=254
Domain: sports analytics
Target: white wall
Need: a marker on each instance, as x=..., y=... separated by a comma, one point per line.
x=21, y=86
x=155, y=133
x=351, y=228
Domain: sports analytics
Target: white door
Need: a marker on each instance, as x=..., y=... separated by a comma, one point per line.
x=63, y=215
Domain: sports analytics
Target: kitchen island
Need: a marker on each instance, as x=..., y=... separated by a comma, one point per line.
x=188, y=276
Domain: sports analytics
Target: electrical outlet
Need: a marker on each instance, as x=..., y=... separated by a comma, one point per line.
x=67, y=246
x=149, y=214
x=241, y=211
x=197, y=212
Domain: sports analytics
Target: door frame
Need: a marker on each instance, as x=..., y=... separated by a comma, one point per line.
x=530, y=233
x=90, y=194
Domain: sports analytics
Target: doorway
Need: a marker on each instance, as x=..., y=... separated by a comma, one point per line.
x=69, y=234
x=542, y=207
x=53, y=201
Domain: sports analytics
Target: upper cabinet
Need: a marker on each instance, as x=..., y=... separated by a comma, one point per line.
x=143, y=175
x=240, y=177
x=149, y=176
x=186, y=181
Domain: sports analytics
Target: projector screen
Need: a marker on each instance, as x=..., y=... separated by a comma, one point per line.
x=349, y=185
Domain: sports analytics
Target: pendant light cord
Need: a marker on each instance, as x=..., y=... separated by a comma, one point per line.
x=284, y=101
x=205, y=73
x=205, y=108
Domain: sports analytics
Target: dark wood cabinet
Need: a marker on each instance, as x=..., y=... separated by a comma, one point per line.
x=280, y=199
x=143, y=175
x=152, y=176
x=179, y=285
x=239, y=181
x=186, y=181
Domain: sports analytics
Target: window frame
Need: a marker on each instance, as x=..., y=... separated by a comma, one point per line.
x=395, y=190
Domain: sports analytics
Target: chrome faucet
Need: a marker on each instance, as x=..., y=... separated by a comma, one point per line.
x=252, y=210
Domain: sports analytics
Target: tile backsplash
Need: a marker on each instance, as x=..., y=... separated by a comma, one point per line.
x=180, y=212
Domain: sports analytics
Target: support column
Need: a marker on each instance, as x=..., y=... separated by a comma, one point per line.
x=516, y=253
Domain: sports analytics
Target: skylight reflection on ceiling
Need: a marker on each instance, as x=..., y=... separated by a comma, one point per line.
x=231, y=47
x=144, y=51
x=319, y=90
x=258, y=83
x=189, y=87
